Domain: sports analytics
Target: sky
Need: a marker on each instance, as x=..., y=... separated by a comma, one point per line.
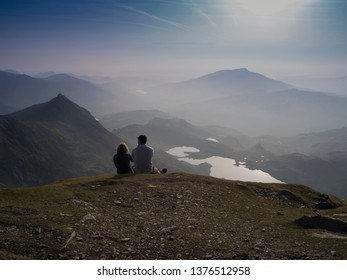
x=174, y=39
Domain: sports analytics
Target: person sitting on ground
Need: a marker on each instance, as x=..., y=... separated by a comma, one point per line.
x=122, y=159
x=142, y=156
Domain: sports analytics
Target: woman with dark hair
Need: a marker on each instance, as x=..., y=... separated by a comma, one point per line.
x=122, y=159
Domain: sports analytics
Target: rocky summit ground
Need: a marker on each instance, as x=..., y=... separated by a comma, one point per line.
x=167, y=216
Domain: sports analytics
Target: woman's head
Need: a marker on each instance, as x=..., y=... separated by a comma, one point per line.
x=122, y=148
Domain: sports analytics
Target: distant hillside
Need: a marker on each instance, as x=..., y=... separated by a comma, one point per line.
x=21, y=91
x=325, y=173
x=165, y=134
x=54, y=140
x=318, y=159
x=123, y=119
x=251, y=103
x=311, y=143
x=219, y=84
x=170, y=216
x=336, y=85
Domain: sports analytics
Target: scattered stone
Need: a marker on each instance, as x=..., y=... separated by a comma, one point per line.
x=65, y=215
x=280, y=213
x=333, y=253
x=328, y=235
x=97, y=235
x=117, y=202
x=127, y=239
x=72, y=236
x=87, y=218
x=290, y=197
x=168, y=230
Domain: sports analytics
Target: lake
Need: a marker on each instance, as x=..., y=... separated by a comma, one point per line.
x=222, y=167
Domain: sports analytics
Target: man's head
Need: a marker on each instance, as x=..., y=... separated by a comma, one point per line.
x=142, y=139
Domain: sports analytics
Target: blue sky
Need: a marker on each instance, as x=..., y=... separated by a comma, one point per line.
x=174, y=38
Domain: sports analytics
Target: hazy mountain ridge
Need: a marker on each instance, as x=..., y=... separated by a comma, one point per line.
x=265, y=108
x=122, y=119
x=325, y=174
x=169, y=133
x=293, y=160
x=251, y=103
x=21, y=91
x=220, y=84
x=336, y=85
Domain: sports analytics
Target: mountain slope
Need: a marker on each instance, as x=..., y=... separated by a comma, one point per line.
x=170, y=216
x=219, y=84
x=323, y=173
x=59, y=109
x=54, y=140
x=251, y=103
x=122, y=119
x=21, y=91
x=284, y=113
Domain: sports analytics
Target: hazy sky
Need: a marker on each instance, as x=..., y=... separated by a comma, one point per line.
x=174, y=37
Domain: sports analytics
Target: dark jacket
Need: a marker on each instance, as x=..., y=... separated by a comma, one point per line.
x=123, y=163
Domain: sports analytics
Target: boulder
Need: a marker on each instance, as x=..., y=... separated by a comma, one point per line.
x=321, y=222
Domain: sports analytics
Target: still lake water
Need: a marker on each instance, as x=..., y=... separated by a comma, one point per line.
x=222, y=167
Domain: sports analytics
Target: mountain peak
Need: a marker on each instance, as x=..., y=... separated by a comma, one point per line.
x=60, y=98
x=59, y=108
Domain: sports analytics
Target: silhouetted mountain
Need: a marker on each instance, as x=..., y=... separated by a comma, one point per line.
x=251, y=103
x=21, y=91
x=123, y=119
x=54, y=140
x=216, y=85
x=59, y=109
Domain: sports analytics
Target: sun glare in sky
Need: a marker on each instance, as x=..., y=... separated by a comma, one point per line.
x=269, y=7
x=176, y=37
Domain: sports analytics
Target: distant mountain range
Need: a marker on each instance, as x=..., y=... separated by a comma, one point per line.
x=251, y=103
x=59, y=139
x=18, y=91
x=318, y=159
x=54, y=140
x=240, y=99
x=220, y=84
